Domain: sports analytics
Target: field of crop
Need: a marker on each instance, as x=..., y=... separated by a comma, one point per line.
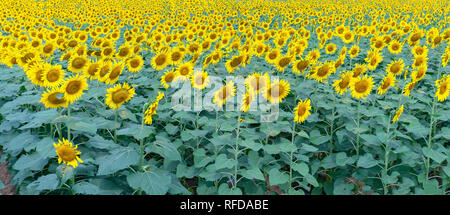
x=222, y=97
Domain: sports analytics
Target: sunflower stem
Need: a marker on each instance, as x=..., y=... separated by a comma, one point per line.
x=387, y=150
x=115, y=127
x=358, y=131
x=430, y=136
x=236, y=150
x=68, y=120
x=332, y=124
x=291, y=156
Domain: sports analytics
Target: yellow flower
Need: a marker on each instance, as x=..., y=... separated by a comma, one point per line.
x=134, y=64
x=361, y=87
x=151, y=110
x=302, y=111
x=73, y=87
x=301, y=65
x=226, y=92
x=118, y=95
x=257, y=82
x=341, y=85
x=247, y=100
x=113, y=75
x=395, y=47
x=233, y=63
x=396, y=67
x=77, y=63
x=443, y=88
x=200, y=80
x=168, y=78
x=388, y=81
x=330, y=48
x=67, y=153
x=408, y=88
x=54, y=98
x=160, y=61
x=321, y=72
x=398, y=114
x=277, y=91
x=184, y=71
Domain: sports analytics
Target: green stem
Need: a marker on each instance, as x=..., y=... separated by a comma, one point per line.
x=332, y=125
x=387, y=150
x=236, y=150
x=115, y=127
x=291, y=156
x=430, y=136
x=68, y=120
x=358, y=131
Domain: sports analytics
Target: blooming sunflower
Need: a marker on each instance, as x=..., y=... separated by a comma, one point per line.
x=277, y=91
x=322, y=71
x=184, y=71
x=54, y=98
x=257, y=82
x=341, y=85
x=419, y=73
x=53, y=76
x=200, y=80
x=272, y=56
x=408, y=88
x=330, y=48
x=247, y=100
x=223, y=94
x=114, y=73
x=301, y=65
x=359, y=70
x=73, y=87
x=233, y=63
x=419, y=61
x=151, y=110
x=118, y=95
x=282, y=62
x=395, y=47
x=396, y=67
x=302, y=111
x=67, y=153
x=361, y=87
x=348, y=37
x=36, y=74
x=443, y=88
x=398, y=113
x=134, y=64
x=92, y=70
x=77, y=63
x=168, y=78
x=419, y=51
x=160, y=61
x=388, y=81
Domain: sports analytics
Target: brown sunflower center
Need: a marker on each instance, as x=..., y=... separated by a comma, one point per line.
x=361, y=86
x=395, y=68
x=323, y=71
x=66, y=153
x=273, y=55
x=92, y=69
x=236, y=61
x=284, y=62
x=48, y=48
x=123, y=52
x=120, y=96
x=169, y=77
x=53, y=98
x=301, y=110
x=73, y=87
x=415, y=37
x=276, y=90
x=302, y=65
x=79, y=63
x=344, y=83
x=176, y=56
x=160, y=60
x=53, y=75
x=443, y=88
x=184, y=71
x=115, y=72
x=134, y=63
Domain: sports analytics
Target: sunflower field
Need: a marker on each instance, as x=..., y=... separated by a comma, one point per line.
x=242, y=97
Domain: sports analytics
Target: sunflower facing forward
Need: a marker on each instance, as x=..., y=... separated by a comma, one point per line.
x=118, y=95
x=223, y=94
x=54, y=98
x=341, y=85
x=361, y=87
x=302, y=111
x=67, y=153
x=200, y=80
x=277, y=91
x=443, y=88
x=74, y=86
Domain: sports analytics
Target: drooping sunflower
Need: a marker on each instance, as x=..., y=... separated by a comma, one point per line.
x=135, y=63
x=67, y=153
x=54, y=98
x=200, y=80
x=302, y=111
x=168, y=78
x=398, y=113
x=388, y=81
x=442, y=88
x=341, y=85
x=53, y=76
x=160, y=61
x=118, y=95
x=247, y=100
x=396, y=67
x=223, y=94
x=74, y=86
x=361, y=87
x=151, y=110
x=277, y=91
x=359, y=70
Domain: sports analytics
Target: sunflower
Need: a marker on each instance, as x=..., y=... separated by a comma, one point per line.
x=200, y=80
x=282, y=62
x=443, y=88
x=124, y=51
x=277, y=91
x=73, y=87
x=341, y=85
x=398, y=113
x=257, y=82
x=414, y=38
x=118, y=95
x=104, y=69
x=151, y=110
x=234, y=62
x=77, y=63
x=322, y=71
x=48, y=49
x=419, y=73
x=374, y=61
x=114, y=73
x=67, y=153
x=168, y=78
x=330, y=48
x=36, y=74
x=419, y=61
x=348, y=37
x=53, y=76
x=223, y=94
x=396, y=67
x=388, y=81
x=272, y=56
x=54, y=98
x=361, y=87
x=247, y=100
x=160, y=61
x=176, y=56
x=92, y=70
x=395, y=47
x=184, y=71
x=301, y=65
x=313, y=55
x=302, y=111
x=408, y=88
x=419, y=51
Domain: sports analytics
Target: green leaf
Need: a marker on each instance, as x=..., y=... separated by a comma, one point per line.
x=46, y=182
x=40, y=118
x=342, y=159
x=117, y=160
x=308, y=148
x=251, y=144
x=433, y=154
x=301, y=168
x=431, y=187
x=200, y=158
x=310, y=179
x=367, y=161
x=32, y=161
x=83, y=126
x=64, y=173
x=253, y=173
x=225, y=190
x=199, y=133
x=223, y=162
x=342, y=188
x=153, y=182
x=370, y=139
x=127, y=114
x=166, y=148
x=276, y=177
x=171, y=129
x=316, y=138
x=45, y=148
x=86, y=188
